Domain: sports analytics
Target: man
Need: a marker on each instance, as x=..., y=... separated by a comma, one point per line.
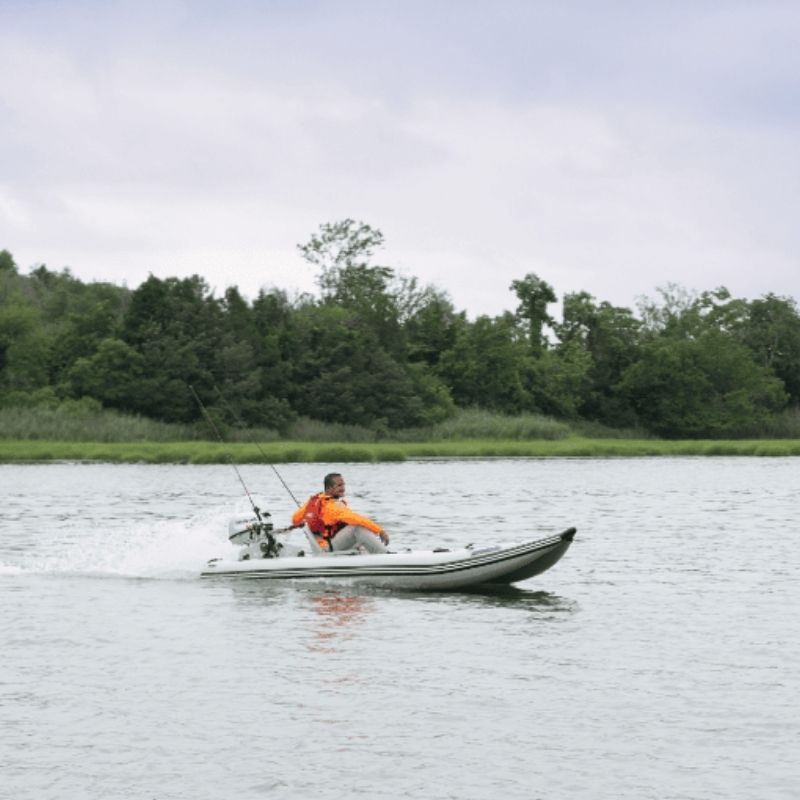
x=335, y=525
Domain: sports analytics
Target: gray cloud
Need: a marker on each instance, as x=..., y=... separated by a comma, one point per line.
x=611, y=150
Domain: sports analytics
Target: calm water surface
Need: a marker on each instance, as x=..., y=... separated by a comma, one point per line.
x=658, y=659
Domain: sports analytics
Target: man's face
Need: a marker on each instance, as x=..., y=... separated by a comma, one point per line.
x=337, y=488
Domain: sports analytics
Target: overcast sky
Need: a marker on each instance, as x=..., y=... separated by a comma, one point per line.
x=611, y=147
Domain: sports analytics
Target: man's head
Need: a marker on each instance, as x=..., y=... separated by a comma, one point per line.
x=334, y=484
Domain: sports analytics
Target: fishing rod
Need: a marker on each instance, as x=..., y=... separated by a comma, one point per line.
x=216, y=430
x=260, y=449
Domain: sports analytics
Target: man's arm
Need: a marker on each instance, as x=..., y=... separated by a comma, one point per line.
x=333, y=513
x=297, y=517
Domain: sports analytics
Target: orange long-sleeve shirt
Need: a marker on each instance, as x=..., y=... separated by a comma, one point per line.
x=333, y=512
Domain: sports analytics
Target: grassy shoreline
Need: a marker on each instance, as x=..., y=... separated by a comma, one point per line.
x=202, y=452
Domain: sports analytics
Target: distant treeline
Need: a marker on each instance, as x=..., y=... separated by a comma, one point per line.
x=378, y=350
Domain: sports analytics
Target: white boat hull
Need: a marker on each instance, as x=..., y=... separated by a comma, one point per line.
x=415, y=570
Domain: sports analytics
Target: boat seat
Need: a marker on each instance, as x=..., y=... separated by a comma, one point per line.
x=314, y=544
x=320, y=551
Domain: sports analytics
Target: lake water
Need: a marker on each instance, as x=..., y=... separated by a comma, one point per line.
x=658, y=659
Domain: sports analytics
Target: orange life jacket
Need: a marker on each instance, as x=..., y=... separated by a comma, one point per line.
x=313, y=518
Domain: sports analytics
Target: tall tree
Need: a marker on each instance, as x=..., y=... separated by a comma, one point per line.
x=342, y=374
x=771, y=330
x=24, y=350
x=704, y=386
x=534, y=296
x=175, y=324
x=338, y=246
x=343, y=251
x=486, y=364
x=7, y=263
x=608, y=336
x=249, y=367
x=432, y=327
x=112, y=375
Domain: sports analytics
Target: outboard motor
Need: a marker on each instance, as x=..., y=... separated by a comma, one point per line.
x=254, y=536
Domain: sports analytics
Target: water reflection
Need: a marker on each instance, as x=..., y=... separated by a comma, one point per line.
x=337, y=615
x=338, y=610
x=510, y=597
x=251, y=593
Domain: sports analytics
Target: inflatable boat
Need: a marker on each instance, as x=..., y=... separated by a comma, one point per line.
x=266, y=554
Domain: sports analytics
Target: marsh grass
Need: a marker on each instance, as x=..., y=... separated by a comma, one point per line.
x=466, y=424
x=76, y=421
x=596, y=430
x=785, y=425
x=304, y=429
x=293, y=452
x=79, y=421
x=473, y=423
x=83, y=431
x=477, y=424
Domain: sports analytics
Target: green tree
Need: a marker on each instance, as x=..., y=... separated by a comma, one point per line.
x=706, y=386
x=341, y=373
x=343, y=252
x=486, y=364
x=771, y=330
x=534, y=296
x=272, y=334
x=432, y=328
x=93, y=317
x=608, y=337
x=436, y=403
x=24, y=349
x=558, y=380
x=248, y=367
x=75, y=316
x=176, y=326
x=339, y=246
x=674, y=313
x=7, y=264
x=112, y=374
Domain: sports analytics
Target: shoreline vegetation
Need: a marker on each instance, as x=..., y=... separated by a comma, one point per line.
x=375, y=357
x=198, y=452
x=83, y=431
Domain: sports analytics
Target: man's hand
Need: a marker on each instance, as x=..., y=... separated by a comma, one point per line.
x=384, y=537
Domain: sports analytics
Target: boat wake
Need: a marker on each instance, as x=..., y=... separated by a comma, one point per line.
x=151, y=549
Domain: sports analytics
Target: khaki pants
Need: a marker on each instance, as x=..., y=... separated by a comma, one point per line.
x=354, y=535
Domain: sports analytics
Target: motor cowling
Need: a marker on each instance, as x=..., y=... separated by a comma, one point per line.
x=247, y=529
